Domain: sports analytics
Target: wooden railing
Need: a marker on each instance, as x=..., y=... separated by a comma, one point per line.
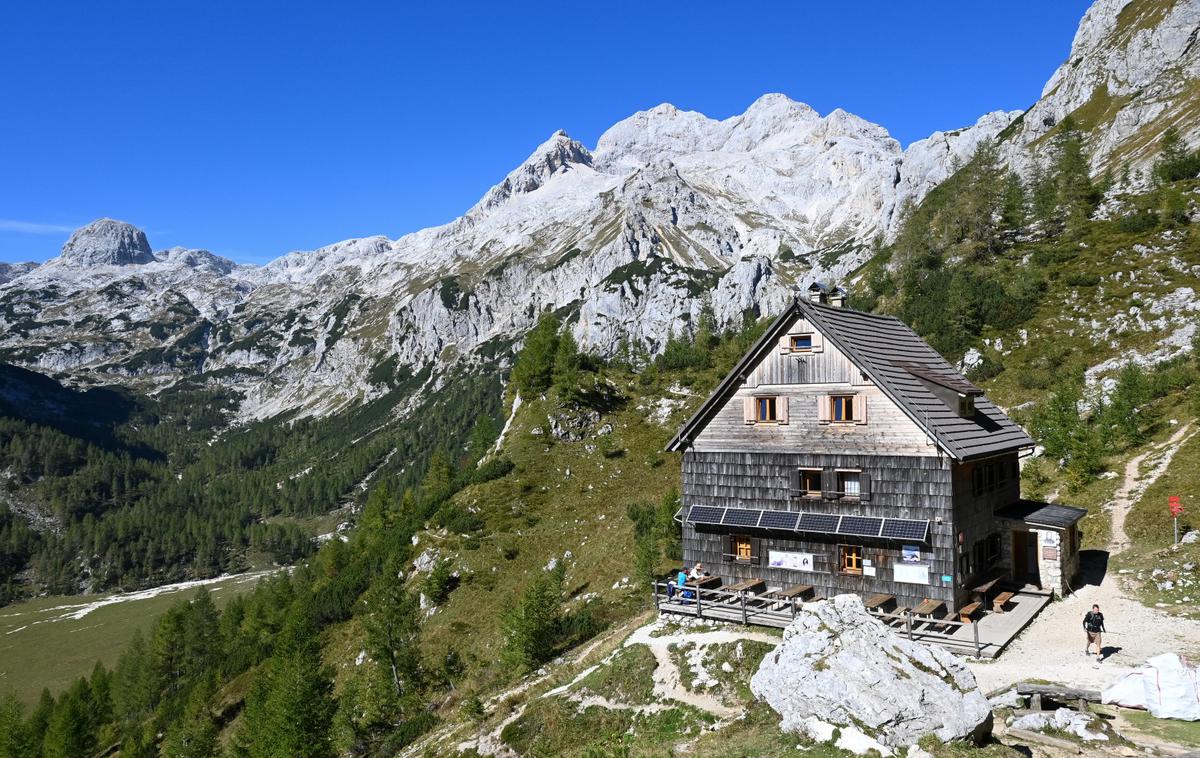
x=772, y=611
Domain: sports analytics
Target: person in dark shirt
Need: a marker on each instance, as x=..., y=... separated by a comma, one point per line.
x=1093, y=624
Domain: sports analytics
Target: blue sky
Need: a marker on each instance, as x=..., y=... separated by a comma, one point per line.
x=254, y=129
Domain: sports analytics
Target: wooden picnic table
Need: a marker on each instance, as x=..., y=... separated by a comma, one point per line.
x=928, y=607
x=878, y=601
x=705, y=582
x=794, y=591
x=748, y=585
x=983, y=589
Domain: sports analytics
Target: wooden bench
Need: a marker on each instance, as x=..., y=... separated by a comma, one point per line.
x=705, y=582
x=939, y=624
x=967, y=611
x=1001, y=600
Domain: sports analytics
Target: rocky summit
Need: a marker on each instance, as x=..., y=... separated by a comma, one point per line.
x=843, y=675
x=107, y=242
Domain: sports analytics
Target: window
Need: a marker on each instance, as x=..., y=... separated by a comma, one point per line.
x=841, y=408
x=741, y=549
x=765, y=409
x=966, y=406
x=993, y=547
x=848, y=483
x=851, y=559
x=800, y=343
x=810, y=482
x=989, y=476
x=964, y=566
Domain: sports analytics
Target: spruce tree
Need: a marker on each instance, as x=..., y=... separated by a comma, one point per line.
x=532, y=373
x=194, y=733
x=14, y=738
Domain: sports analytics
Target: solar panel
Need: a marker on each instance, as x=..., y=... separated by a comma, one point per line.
x=778, y=520
x=741, y=517
x=818, y=522
x=905, y=529
x=705, y=514
x=860, y=526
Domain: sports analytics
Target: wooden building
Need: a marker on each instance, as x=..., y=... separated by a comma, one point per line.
x=844, y=453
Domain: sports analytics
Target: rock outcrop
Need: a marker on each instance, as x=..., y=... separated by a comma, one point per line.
x=107, y=242
x=841, y=672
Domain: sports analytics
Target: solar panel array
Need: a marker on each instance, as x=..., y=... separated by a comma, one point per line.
x=905, y=529
x=813, y=523
x=860, y=526
x=741, y=517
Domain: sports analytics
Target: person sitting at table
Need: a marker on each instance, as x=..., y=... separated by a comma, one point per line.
x=681, y=582
x=697, y=572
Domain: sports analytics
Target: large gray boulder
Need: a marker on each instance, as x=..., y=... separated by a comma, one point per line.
x=841, y=669
x=107, y=242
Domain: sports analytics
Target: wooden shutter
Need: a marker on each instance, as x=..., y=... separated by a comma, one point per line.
x=730, y=549
x=860, y=409
x=823, y=409
x=794, y=482
x=818, y=344
x=748, y=410
x=828, y=483
x=864, y=486
x=785, y=344
x=781, y=409
x=756, y=556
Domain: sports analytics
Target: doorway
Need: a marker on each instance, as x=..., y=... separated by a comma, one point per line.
x=1025, y=558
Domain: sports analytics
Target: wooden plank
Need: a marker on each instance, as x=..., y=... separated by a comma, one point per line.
x=1057, y=691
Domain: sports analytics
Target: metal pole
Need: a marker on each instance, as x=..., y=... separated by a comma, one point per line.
x=1176, y=520
x=908, y=624
x=975, y=631
x=698, y=601
x=745, y=621
x=654, y=589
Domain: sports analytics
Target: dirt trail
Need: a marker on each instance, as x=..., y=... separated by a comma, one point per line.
x=1052, y=647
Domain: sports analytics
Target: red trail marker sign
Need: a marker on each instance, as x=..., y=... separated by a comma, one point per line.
x=1176, y=507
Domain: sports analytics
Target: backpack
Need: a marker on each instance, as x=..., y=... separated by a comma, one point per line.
x=1093, y=621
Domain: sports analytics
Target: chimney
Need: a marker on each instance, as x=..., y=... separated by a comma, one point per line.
x=818, y=293
x=837, y=297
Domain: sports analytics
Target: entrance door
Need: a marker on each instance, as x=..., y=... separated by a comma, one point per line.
x=1025, y=557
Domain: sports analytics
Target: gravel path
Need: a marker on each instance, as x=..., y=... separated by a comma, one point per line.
x=1052, y=647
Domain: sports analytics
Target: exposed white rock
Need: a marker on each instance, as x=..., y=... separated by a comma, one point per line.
x=1067, y=720
x=839, y=666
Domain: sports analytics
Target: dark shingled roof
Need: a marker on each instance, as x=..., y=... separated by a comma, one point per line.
x=1035, y=513
x=886, y=350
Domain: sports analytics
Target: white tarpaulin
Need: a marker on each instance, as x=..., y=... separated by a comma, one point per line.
x=1166, y=685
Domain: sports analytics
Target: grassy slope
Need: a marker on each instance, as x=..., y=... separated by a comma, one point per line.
x=42, y=646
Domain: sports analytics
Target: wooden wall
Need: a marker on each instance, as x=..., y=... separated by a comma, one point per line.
x=805, y=383
x=974, y=515
x=914, y=487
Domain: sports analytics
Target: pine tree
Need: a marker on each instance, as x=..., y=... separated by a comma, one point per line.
x=194, y=734
x=1077, y=196
x=531, y=627
x=532, y=373
x=1175, y=161
x=567, y=364
x=14, y=738
x=439, y=476
x=391, y=622
x=1014, y=215
x=69, y=735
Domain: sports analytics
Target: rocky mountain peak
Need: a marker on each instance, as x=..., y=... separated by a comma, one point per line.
x=556, y=155
x=107, y=242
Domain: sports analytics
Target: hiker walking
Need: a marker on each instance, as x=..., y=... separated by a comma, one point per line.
x=1093, y=624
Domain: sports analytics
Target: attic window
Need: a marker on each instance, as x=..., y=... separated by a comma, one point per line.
x=966, y=406
x=841, y=408
x=766, y=409
x=801, y=343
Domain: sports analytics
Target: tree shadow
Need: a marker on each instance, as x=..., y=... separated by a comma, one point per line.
x=1093, y=566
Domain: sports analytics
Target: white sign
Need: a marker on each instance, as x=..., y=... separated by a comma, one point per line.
x=793, y=561
x=868, y=571
x=910, y=573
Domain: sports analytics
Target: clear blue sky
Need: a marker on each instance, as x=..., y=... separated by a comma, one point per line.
x=253, y=131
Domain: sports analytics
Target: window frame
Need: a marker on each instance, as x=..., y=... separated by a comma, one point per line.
x=995, y=546
x=840, y=484
x=795, y=348
x=855, y=555
x=760, y=403
x=813, y=493
x=847, y=407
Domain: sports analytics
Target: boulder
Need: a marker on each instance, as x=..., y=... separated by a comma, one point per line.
x=840, y=668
